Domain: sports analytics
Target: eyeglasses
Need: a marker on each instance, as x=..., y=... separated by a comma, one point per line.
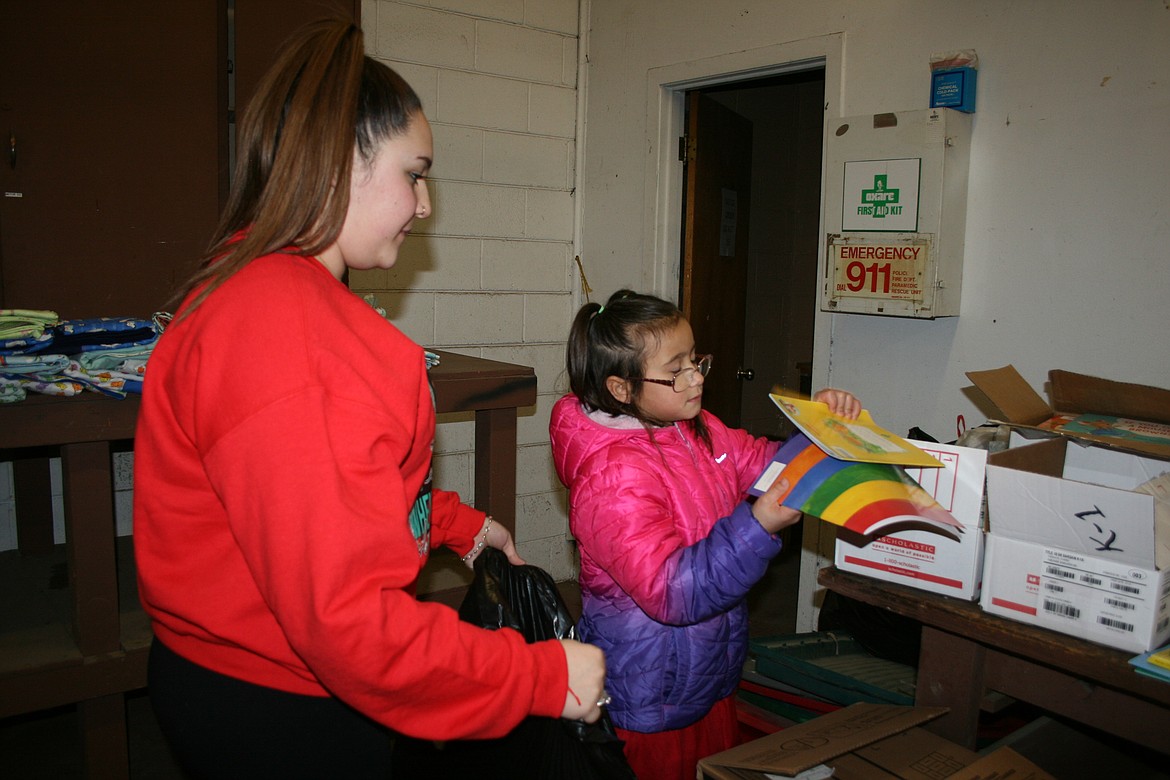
x=684, y=378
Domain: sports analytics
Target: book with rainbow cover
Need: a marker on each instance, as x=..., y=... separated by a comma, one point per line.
x=864, y=496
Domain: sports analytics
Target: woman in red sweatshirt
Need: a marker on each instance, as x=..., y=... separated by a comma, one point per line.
x=283, y=499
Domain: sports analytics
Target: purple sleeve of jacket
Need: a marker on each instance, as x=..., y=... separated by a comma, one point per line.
x=714, y=574
x=628, y=527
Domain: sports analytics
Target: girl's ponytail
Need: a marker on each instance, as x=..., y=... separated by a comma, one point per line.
x=577, y=357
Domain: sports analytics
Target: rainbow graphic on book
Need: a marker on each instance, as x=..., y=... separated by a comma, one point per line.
x=867, y=498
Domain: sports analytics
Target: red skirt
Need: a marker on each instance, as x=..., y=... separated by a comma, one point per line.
x=675, y=754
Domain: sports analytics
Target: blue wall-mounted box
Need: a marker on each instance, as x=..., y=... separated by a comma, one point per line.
x=953, y=88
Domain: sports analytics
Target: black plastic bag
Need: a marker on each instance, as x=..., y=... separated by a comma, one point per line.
x=524, y=598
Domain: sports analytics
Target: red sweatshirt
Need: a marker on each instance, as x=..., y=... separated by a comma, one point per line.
x=283, y=510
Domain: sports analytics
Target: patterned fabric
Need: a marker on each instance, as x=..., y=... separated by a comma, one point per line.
x=101, y=333
x=24, y=325
x=107, y=355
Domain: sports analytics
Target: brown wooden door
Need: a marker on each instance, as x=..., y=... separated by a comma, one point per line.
x=115, y=127
x=112, y=131
x=715, y=245
x=263, y=26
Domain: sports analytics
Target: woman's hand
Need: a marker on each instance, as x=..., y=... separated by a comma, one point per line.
x=770, y=513
x=498, y=537
x=840, y=402
x=492, y=534
x=584, y=699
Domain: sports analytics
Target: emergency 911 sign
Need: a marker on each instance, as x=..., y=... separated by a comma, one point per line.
x=892, y=271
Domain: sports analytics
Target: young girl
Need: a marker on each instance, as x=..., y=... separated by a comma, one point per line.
x=283, y=502
x=669, y=547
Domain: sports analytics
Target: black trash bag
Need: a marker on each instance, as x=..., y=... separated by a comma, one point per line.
x=524, y=598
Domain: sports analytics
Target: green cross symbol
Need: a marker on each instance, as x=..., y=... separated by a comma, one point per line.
x=881, y=197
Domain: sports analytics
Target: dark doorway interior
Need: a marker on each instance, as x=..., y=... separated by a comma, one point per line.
x=787, y=114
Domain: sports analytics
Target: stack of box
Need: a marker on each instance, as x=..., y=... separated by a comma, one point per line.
x=1079, y=540
x=1076, y=536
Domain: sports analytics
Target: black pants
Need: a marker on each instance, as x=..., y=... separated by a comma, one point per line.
x=221, y=727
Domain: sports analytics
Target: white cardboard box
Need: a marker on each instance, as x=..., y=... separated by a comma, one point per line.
x=1072, y=547
x=924, y=559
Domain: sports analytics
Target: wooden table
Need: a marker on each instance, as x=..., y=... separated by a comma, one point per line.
x=102, y=653
x=965, y=651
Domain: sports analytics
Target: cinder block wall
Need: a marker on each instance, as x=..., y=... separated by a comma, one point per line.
x=491, y=273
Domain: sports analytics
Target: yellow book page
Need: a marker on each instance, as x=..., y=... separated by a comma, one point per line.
x=855, y=440
x=1161, y=658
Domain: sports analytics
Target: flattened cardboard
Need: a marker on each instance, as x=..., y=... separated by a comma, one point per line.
x=814, y=742
x=1012, y=395
x=1072, y=395
x=914, y=754
x=1003, y=764
x=1078, y=394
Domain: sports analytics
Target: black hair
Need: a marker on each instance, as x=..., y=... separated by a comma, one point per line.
x=615, y=339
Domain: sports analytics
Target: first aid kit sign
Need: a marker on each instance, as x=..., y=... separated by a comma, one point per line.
x=881, y=196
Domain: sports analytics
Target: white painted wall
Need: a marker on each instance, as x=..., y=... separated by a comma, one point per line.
x=1068, y=222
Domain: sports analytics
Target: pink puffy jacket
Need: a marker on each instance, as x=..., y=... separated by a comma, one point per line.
x=669, y=550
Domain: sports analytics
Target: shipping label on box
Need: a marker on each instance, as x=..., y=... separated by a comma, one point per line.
x=1116, y=605
x=924, y=559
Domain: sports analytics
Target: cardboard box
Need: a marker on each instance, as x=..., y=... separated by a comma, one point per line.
x=1073, y=547
x=860, y=742
x=814, y=742
x=924, y=559
x=1003, y=764
x=1118, y=415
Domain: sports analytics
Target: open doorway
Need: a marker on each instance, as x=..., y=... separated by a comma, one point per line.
x=779, y=292
x=786, y=114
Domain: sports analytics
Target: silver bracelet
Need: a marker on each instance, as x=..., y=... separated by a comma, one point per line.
x=475, y=550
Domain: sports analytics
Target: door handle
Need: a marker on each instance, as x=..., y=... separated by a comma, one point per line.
x=746, y=374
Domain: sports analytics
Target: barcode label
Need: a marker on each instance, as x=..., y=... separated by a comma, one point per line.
x=1122, y=586
x=1091, y=580
x=1118, y=624
x=1054, y=587
x=1052, y=571
x=1120, y=604
x=1067, y=610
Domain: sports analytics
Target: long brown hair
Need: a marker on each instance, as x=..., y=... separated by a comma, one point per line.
x=321, y=101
